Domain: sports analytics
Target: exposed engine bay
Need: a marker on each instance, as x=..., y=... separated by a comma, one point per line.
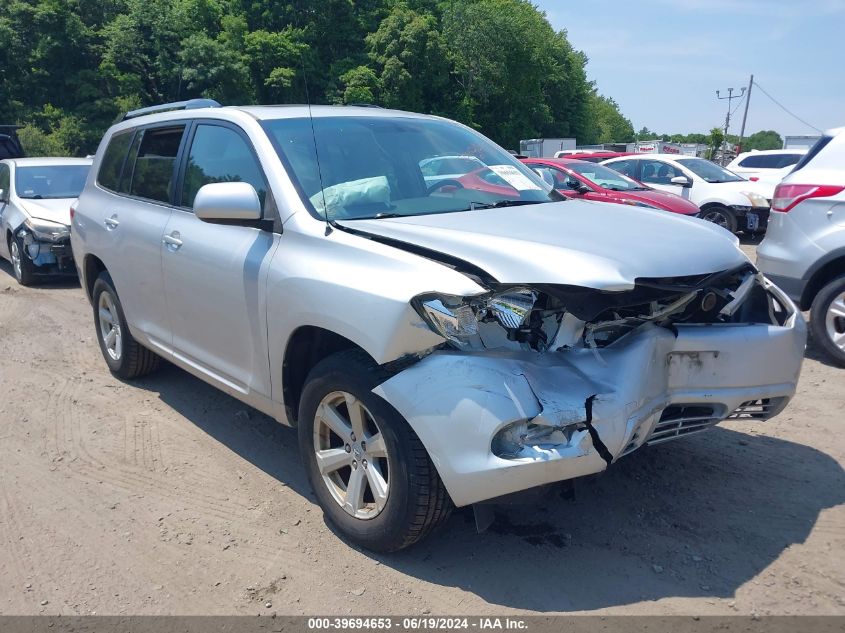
x=548, y=318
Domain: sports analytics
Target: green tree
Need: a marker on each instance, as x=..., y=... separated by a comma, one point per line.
x=608, y=123
x=516, y=77
x=408, y=53
x=764, y=139
x=36, y=142
x=715, y=140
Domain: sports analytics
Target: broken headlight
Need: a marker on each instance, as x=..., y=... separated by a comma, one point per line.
x=456, y=318
x=451, y=317
x=45, y=230
x=513, y=307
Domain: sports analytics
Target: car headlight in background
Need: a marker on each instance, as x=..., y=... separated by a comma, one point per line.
x=756, y=199
x=456, y=318
x=46, y=230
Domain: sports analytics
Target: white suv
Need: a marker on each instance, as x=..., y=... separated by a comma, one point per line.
x=435, y=344
x=804, y=251
x=769, y=165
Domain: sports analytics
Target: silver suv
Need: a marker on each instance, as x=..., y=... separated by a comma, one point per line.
x=437, y=343
x=804, y=250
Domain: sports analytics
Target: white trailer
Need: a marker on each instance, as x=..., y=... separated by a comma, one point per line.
x=545, y=147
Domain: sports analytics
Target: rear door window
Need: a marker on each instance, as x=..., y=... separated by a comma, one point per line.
x=659, y=173
x=814, y=150
x=220, y=154
x=155, y=163
x=114, y=157
x=770, y=161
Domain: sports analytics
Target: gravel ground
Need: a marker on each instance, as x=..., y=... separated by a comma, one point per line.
x=164, y=496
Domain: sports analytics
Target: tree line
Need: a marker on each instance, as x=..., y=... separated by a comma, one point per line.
x=68, y=68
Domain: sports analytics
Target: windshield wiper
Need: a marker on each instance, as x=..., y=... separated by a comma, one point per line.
x=502, y=203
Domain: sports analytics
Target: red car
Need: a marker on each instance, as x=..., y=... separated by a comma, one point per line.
x=580, y=179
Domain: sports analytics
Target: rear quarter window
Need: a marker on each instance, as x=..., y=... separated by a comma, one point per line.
x=111, y=167
x=814, y=150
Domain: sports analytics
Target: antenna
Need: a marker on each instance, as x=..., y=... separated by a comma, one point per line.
x=316, y=150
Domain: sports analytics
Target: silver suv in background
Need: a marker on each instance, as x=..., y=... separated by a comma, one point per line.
x=436, y=343
x=804, y=250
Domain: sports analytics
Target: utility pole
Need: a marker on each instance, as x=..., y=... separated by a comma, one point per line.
x=745, y=114
x=730, y=98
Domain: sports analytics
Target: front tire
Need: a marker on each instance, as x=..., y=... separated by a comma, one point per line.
x=827, y=320
x=721, y=216
x=369, y=471
x=125, y=357
x=22, y=265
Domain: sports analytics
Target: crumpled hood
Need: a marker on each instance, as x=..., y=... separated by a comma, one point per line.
x=51, y=209
x=591, y=244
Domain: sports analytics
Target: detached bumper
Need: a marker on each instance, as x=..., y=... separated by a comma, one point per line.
x=649, y=386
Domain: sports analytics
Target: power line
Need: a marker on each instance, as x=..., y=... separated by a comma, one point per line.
x=782, y=107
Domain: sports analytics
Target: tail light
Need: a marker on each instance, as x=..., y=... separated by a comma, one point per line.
x=72, y=210
x=787, y=196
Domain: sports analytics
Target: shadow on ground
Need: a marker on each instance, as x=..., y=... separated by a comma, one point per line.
x=697, y=517
x=47, y=282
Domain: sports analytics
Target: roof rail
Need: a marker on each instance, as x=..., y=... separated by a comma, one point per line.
x=191, y=104
x=364, y=105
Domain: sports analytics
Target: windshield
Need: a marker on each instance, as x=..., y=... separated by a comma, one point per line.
x=376, y=167
x=50, y=181
x=606, y=177
x=711, y=172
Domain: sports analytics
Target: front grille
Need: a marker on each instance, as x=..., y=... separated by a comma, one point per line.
x=758, y=409
x=683, y=419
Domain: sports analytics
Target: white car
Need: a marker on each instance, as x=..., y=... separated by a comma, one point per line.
x=35, y=199
x=724, y=198
x=769, y=165
x=434, y=346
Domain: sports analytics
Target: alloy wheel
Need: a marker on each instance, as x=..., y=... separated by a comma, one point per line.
x=351, y=455
x=110, y=326
x=15, y=253
x=717, y=217
x=835, y=321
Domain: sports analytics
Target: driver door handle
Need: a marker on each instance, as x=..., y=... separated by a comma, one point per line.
x=172, y=240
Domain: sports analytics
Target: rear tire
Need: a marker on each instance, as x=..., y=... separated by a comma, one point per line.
x=721, y=216
x=125, y=357
x=827, y=320
x=402, y=498
x=22, y=265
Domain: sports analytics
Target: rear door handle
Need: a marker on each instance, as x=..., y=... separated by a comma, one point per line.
x=112, y=222
x=172, y=240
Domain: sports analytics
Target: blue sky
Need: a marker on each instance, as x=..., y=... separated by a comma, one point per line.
x=663, y=60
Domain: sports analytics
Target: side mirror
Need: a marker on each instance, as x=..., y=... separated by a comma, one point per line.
x=575, y=185
x=685, y=182
x=227, y=201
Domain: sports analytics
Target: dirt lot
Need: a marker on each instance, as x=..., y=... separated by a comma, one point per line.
x=166, y=496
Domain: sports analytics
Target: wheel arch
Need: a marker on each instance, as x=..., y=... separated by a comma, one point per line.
x=92, y=266
x=307, y=346
x=825, y=270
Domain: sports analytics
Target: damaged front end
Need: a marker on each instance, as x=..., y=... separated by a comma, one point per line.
x=47, y=245
x=541, y=383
